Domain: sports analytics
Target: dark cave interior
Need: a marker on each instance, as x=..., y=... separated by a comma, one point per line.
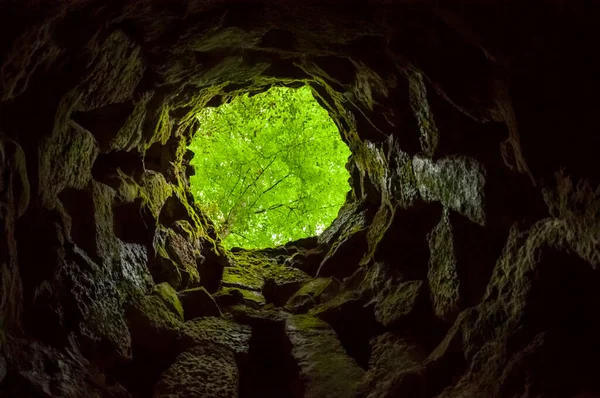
x=462, y=264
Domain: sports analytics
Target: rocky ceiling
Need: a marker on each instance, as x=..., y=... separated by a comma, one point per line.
x=464, y=262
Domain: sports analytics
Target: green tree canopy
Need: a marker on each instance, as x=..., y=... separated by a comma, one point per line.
x=269, y=168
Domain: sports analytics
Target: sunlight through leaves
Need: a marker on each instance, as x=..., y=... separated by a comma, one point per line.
x=269, y=168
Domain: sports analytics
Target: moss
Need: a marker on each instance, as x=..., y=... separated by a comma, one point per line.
x=197, y=103
x=195, y=218
x=163, y=269
x=307, y=322
x=169, y=296
x=154, y=191
x=338, y=304
x=184, y=228
x=230, y=296
x=66, y=159
x=281, y=274
x=162, y=128
x=184, y=255
x=250, y=259
x=152, y=324
x=381, y=222
x=311, y=294
x=245, y=277
x=396, y=304
x=130, y=134
x=157, y=312
x=175, y=259
x=251, y=269
x=372, y=159
x=325, y=369
x=215, y=330
x=128, y=190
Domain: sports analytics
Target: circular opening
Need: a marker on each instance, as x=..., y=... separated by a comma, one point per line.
x=270, y=168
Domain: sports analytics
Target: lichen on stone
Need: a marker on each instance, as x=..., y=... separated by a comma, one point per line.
x=216, y=330
x=154, y=191
x=396, y=303
x=152, y=324
x=325, y=369
x=312, y=293
x=169, y=297
x=227, y=296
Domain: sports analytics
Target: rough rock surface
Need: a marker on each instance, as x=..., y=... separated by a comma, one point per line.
x=464, y=261
x=325, y=369
x=311, y=294
x=217, y=331
x=169, y=298
x=198, y=303
x=205, y=371
x=152, y=323
x=397, y=305
x=395, y=365
x=230, y=296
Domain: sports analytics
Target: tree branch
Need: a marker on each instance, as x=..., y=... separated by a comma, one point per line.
x=274, y=185
x=286, y=205
x=248, y=187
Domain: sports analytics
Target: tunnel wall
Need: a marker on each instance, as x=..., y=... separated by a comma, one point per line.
x=471, y=230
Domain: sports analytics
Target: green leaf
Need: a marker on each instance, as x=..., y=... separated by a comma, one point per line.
x=269, y=168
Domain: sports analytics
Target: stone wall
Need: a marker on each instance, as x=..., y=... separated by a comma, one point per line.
x=463, y=263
